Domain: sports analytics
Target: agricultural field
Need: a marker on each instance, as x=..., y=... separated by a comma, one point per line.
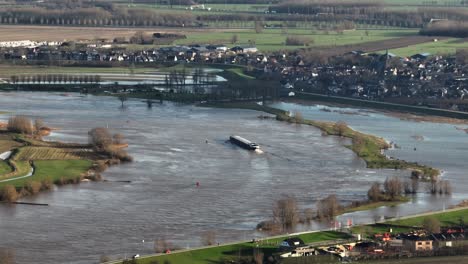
x=268, y=40
x=441, y=47
x=52, y=33
x=49, y=153
x=274, y=39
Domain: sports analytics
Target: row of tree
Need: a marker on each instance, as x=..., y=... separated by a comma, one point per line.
x=286, y=213
x=94, y=17
x=55, y=79
x=458, y=29
x=25, y=125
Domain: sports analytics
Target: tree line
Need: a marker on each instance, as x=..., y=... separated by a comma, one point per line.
x=55, y=78
x=458, y=29
x=94, y=16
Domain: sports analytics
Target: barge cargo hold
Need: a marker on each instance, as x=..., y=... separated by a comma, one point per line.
x=242, y=142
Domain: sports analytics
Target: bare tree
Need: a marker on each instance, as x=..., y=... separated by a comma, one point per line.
x=161, y=245
x=258, y=256
x=38, y=125
x=298, y=117
x=258, y=27
x=100, y=138
x=118, y=139
x=208, y=238
x=234, y=39
x=340, y=128
x=393, y=187
x=20, y=124
x=431, y=224
x=285, y=212
x=375, y=192
x=445, y=187
x=7, y=256
x=9, y=194
x=414, y=185
x=328, y=207
x=308, y=215
x=104, y=259
x=123, y=98
x=433, y=185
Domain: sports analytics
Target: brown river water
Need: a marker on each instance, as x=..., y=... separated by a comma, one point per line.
x=175, y=146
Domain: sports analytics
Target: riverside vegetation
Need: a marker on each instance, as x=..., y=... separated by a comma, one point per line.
x=35, y=165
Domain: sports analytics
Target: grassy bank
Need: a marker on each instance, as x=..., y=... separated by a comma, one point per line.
x=367, y=147
x=233, y=251
x=373, y=205
x=452, y=218
x=447, y=219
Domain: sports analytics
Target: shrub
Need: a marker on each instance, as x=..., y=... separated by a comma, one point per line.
x=100, y=138
x=46, y=184
x=298, y=41
x=431, y=224
x=9, y=194
x=104, y=258
x=33, y=187
x=100, y=166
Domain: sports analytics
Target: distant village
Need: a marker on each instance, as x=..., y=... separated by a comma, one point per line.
x=419, y=79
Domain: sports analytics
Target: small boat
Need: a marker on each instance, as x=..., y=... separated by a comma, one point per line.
x=244, y=143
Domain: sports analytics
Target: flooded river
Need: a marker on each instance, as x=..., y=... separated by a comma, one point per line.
x=175, y=146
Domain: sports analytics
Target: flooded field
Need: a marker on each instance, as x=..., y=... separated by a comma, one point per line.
x=174, y=147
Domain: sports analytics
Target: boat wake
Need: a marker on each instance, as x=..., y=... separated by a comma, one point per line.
x=259, y=151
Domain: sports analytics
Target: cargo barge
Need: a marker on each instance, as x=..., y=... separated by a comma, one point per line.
x=244, y=143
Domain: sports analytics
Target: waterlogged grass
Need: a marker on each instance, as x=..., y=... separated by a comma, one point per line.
x=373, y=205
x=215, y=254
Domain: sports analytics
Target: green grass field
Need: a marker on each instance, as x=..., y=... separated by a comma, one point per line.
x=274, y=39
x=443, y=47
x=53, y=170
x=376, y=205
x=214, y=254
x=446, y=219
x=4, y=168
